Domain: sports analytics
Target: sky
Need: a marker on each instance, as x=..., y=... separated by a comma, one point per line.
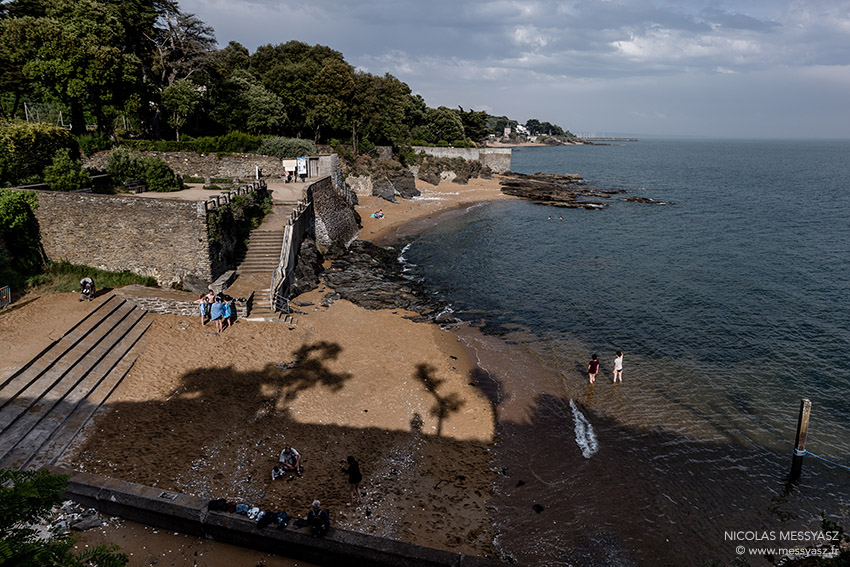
x=702, y=68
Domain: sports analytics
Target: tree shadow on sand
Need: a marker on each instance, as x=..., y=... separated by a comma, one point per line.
x=444, y=405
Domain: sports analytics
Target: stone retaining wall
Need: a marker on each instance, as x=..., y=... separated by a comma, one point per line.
x=165, y=239
x=229, y=166
x=498, y=159
x=189, y=515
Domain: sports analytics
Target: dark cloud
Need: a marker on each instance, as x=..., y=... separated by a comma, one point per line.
x=485, y=50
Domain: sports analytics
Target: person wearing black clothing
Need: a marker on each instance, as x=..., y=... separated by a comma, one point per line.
x=354, y=478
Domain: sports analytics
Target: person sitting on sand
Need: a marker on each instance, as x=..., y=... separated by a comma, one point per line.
x=354, y=479
x=278, y=472
x=379, y=214
x=290, y=460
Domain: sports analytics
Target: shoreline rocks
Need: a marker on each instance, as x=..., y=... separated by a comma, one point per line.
x=563, y=190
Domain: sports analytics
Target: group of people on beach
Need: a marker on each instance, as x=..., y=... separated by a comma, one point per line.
x=216, y=308
x=593, y=368
x=289, y=463
x=317, y=519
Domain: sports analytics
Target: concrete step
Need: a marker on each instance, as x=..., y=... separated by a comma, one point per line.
x=49, y=436
x=79, y=369
x=48, y=401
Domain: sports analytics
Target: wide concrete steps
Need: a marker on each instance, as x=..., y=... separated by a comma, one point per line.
x=263, y=252
x=47, y=402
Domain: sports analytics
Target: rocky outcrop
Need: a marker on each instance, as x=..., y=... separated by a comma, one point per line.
x=567, y=190
x=372, y=277
x=307, y=269
x=435, y=169
x=394, y=182
x=337, y=224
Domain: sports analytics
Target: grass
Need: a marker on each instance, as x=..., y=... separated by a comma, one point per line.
x=64, y=277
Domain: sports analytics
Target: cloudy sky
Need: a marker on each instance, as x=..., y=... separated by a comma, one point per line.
x=715, y=68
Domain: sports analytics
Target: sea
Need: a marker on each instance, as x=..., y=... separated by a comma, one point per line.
x=731, y=304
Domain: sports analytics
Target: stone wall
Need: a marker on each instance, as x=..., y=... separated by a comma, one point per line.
x=337, y=224
x=498, y=159
x=165, y=239
x=230, y=166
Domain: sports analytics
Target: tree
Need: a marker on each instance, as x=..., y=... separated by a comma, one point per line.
x=474, y=124
x=379, y=106
x=180, y=98
x=330, y=97
x=533, y=126
x=26, y=497
x=244, y=104
x=445, y=124
x=74, y=49
x=19, y=233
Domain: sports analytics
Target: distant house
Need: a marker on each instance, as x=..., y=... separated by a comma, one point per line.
x=507, y=131
x=520, y=129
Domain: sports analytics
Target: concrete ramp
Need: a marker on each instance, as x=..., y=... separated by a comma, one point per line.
x=47, y=402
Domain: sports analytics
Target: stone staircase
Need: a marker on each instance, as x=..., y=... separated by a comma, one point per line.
x=259, y=309
x=46, y=403
x=263, y=252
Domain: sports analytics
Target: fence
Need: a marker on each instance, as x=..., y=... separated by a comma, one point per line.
x=5, y=296
x=299, y=224
x=227, y=197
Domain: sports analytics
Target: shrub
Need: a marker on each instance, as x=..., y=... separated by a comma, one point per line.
x=19, y=232
x=124, y=164
x=27, y=148
x=226, y=180
x=442, y=144
x=158, y=175
x=65, y=174
x=212, y=188
x=90, y=144
x=286, y=147
x=188, y=179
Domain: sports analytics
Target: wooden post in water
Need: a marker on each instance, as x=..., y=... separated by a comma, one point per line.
x=800, y=443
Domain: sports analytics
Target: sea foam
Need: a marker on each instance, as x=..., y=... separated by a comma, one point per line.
x=585, y=437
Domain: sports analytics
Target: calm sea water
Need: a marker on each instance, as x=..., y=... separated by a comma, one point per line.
x=730, y=305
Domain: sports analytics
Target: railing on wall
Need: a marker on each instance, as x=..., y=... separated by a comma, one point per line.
x=5, y=296
x=227, y=197
x=298, y=225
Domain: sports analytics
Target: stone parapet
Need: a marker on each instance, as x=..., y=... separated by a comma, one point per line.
x=497, y=159
x=190, y=515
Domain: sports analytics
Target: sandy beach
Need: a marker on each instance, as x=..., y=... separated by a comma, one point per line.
x=209, y=415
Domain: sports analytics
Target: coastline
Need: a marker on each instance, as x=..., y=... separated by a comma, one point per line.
x=400, y=396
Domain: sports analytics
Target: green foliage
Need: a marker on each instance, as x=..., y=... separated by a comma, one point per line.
x=193, y=179
x=27, y=148
x=213, y=187
x=124, y=165
x=287, y=147
x=19, y=235
x=95, y=142
x=226, y=180
x=65, y=174
x=65, y=277
x=232, y=142
x=26, y=497
x=445, y=124
x=229, y=226
x=181, y=98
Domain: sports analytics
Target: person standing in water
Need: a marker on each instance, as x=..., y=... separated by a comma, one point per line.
x=592, y=368
x=618, y=367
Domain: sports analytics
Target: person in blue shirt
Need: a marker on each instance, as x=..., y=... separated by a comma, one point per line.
x=226, y=313
x=215, y=313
